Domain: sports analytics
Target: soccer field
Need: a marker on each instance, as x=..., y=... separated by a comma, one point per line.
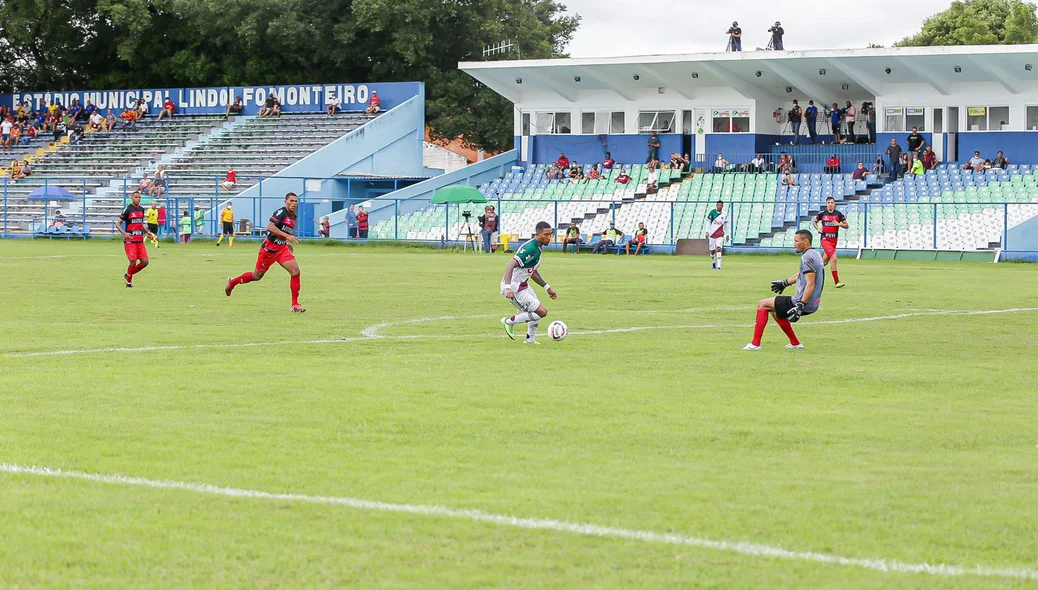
x=394, y=437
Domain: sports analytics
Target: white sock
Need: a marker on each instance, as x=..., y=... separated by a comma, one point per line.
x=531, y=328
x=718, y=255
x=523, y=318
x=713, y=258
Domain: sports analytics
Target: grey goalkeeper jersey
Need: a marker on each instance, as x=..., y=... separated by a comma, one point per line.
x=811, y=262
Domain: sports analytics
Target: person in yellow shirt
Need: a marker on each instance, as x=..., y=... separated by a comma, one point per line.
x=227, y=218
x=151, y=217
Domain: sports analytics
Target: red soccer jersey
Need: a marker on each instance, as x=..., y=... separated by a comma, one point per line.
x=830, y=224
x=133, y=218
x=284, y=221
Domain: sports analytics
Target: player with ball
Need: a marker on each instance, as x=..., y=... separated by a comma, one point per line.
x=519, y=271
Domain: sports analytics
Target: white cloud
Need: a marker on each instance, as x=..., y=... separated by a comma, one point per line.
x=620, y=27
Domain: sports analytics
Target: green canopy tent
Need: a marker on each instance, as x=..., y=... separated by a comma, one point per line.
x=459, y=194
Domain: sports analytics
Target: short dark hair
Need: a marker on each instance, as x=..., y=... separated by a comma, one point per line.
x=291, y=195
x=543, y=225
x=806, y=235
x=827, y=199
x=720, y=202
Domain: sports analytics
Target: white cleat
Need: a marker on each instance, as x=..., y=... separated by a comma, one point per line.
x=794, y=346
x=528, y=341
x=750, y=347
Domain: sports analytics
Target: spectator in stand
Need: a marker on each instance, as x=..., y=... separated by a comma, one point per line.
x=28, y=134
x=488, y=227
x=860, y=172
x=58, y=221
x=879, y=166
x=720, y=164
x=555, y=172
x=640, y=236
x=186, y=225
x=96, y=121
x=788, y=180
x=5, y=133
x=141, y=108
x=276, y=113
x=16, y=135
x=787, y=164
x=15, y=171
x=230, y=180
x=757, y=165
x=563, y=161
x=929, y=159
x=362, y=223
x=168, y=109
x=572, y=237
x=906, y=165
x=374, y=105
x=110, y=120
x=917, y=167
x=144, y=186
x=608, y=163
x=832, y=165
x=324, y=227
x=652, y=181
x=811, y=115
x=26, y=168
x=129, y=118
x=1000, y=161
x=594, y=174
x=623, y=178
x=894, y=152
x=609, y=238
x=849, y=115
x=59, y=130
x=986, y=166
x=869, y=114
x=333, y=104
x=89, y=110
x=74, y=110
x=351, y=222
x=576, y=173
x=686, y=164
x=235, y=107
x=76, y=136
x=675, y=161
x=267, y=110
x=158, y=184
x=654, y=148
x=976, y=163
x=916, y=143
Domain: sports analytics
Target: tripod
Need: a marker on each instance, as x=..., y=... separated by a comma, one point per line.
x=788, y=127
x=771, y=44
x=728, y=47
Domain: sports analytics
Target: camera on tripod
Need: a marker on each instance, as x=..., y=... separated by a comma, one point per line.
x=731, y=30
x=467, y=215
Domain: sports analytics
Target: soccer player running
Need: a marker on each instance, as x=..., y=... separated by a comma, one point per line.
x=227, y=219
x=519, y=271
x=831, y=221
x=277, y=247
x=786, y=310
x=715, y=236
x=132, y=228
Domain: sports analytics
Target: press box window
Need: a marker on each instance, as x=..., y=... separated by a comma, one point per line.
x=660, y=121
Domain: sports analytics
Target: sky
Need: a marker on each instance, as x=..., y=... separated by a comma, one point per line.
x=613, y=28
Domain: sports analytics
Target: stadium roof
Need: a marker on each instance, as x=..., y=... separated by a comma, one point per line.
x=817, y=74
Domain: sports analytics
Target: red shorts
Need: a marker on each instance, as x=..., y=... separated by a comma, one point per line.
x=135, y=251
x=268, y=259
x=829, y=247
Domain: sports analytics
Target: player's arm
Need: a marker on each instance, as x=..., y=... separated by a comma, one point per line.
x=809, y=286
x=540, y=281
x=507, y=288
x=780, y=285
x=281, y=234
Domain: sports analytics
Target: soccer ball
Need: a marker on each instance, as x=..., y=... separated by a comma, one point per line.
x=557, y=330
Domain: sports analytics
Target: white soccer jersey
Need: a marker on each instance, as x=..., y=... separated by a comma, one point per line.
x=715, y=223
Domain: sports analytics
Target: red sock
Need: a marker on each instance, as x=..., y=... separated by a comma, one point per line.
x=241, y=280
x=788, y=329
x=294, y=283
x=132, y=269
x=758, y=326
x=836, y=276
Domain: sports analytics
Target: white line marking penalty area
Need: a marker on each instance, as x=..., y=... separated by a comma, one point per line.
x=543, y=524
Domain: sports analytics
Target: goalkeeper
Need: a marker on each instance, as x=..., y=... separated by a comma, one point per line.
x=787, y=310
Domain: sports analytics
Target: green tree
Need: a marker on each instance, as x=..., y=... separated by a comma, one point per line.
x=978, y=22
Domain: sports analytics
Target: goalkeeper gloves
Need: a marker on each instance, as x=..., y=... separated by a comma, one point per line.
x=794, y=313
x=779, y=286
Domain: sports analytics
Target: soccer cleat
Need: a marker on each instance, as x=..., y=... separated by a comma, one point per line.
x=840, y=285
x=509, y=328
x=794, y=346
x=228, y=287
x=751, y=346
x=528, y=341
x=298, y=308
x=129, y=281
x=713, y=265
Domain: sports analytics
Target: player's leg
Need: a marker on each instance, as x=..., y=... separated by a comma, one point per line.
x=717, y=256
x=627, y=248
x=835, y=271
x=531, y=326
x=290, y=265
x=263, y=262
x=764, y=309
x=528, y=307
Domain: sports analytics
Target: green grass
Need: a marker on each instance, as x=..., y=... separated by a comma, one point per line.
x=910, y=439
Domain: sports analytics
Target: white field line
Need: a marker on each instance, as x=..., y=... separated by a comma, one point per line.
x=561, y=526
x=372, y=333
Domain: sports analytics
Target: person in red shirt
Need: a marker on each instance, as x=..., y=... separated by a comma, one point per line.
x=168, y=108
x=831, y=221
x=594, y=174
x=374, y=105
x=832, y=165
x=563, y=161
x=362, y=223
x=623, y=178
x=131, y=226
x=325, y=227
x=276, y=248
x=608, y=163
x=230, y=180
x=929, y=159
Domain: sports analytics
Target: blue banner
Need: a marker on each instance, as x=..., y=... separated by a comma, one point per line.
x=295, y=98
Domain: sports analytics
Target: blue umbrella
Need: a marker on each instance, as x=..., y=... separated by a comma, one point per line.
x=51, y=193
